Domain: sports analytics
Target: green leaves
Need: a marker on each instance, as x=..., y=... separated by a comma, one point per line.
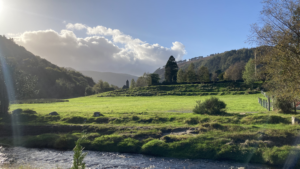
x=79, y=155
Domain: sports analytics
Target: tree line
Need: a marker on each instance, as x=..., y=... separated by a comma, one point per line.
x=238, y=71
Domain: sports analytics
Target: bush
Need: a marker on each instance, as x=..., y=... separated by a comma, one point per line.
x=155, y=147
x=192, y=120
x=284, y=105
x=210, y=106
x=129, y=145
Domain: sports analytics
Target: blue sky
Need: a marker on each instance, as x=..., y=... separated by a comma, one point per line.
x=202, y=26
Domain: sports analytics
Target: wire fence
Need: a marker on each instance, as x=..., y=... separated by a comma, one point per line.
x=266, y=103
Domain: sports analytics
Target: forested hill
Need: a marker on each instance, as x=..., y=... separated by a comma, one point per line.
x=35, y=77
x=220, y=61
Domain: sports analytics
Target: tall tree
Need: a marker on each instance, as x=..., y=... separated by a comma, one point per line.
x=280, y=35
x=153, y=78
x=214, y=77
x=249, y=73
x=171, y=70
x=221, y=76
x=89, y=91
x=181, y=76
x=132, y=84
x=235, y=72
x=190, y=74
x=203, y=74
x=98, y=87
x=105, y=85
x=114, y=87
x=142, y=81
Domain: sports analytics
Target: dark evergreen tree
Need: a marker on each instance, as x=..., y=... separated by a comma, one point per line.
x=171, y=70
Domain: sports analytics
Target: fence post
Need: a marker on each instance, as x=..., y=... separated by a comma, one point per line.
x=269, y=104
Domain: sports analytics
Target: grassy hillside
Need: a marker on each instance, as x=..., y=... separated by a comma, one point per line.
x=53, y=81
x=117, y=79
x=220, y=61
x=223, y=88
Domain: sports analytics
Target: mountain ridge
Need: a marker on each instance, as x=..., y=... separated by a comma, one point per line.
x=117, y=79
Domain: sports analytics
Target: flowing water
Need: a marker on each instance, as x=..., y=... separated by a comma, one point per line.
x=49, y=158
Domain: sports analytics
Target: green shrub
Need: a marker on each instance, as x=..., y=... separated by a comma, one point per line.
x=210, y=106
x=74, y=119
x=155, y=147
x=107, y=143
x=263, y=119
x=65, y=141
x=192, y=120
x=135, y=118
x=278, y=155
x=129, y=145
x=234, y=93
x=284, y=105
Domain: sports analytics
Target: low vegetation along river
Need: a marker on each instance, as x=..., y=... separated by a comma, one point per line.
x=48, y=158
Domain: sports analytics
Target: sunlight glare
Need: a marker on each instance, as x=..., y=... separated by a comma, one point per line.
x=1, y=5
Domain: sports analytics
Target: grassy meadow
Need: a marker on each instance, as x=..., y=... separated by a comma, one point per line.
x=85, y=106
x=163, y=124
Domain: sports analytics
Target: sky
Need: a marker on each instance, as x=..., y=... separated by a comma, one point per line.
x=127, y=36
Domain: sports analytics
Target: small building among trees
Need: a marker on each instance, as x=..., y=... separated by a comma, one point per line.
x=127, y=85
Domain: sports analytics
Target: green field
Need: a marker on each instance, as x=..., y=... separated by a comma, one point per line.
x=85, y=106
x=165, y=126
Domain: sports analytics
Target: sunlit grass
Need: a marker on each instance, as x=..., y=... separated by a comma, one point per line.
x=85, y=106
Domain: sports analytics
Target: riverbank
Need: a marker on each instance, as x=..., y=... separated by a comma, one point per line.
x=207, y=141
x=49, y=159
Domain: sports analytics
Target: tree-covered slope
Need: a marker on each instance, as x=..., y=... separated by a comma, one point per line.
x=51, y=81
x=220, y=61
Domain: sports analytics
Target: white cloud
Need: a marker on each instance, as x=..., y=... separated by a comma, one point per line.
x=96, y=51
x=77, y=26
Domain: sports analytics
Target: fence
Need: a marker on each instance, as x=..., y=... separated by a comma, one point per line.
x=266, y=103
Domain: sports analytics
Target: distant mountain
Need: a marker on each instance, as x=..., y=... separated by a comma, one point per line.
x=220, y=61
x=117, y=79
x=52, y=81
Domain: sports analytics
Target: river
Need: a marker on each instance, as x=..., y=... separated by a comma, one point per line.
x=49, y=158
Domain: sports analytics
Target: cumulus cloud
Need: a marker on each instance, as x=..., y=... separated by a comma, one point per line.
x=99, y=50
x=77, y=26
